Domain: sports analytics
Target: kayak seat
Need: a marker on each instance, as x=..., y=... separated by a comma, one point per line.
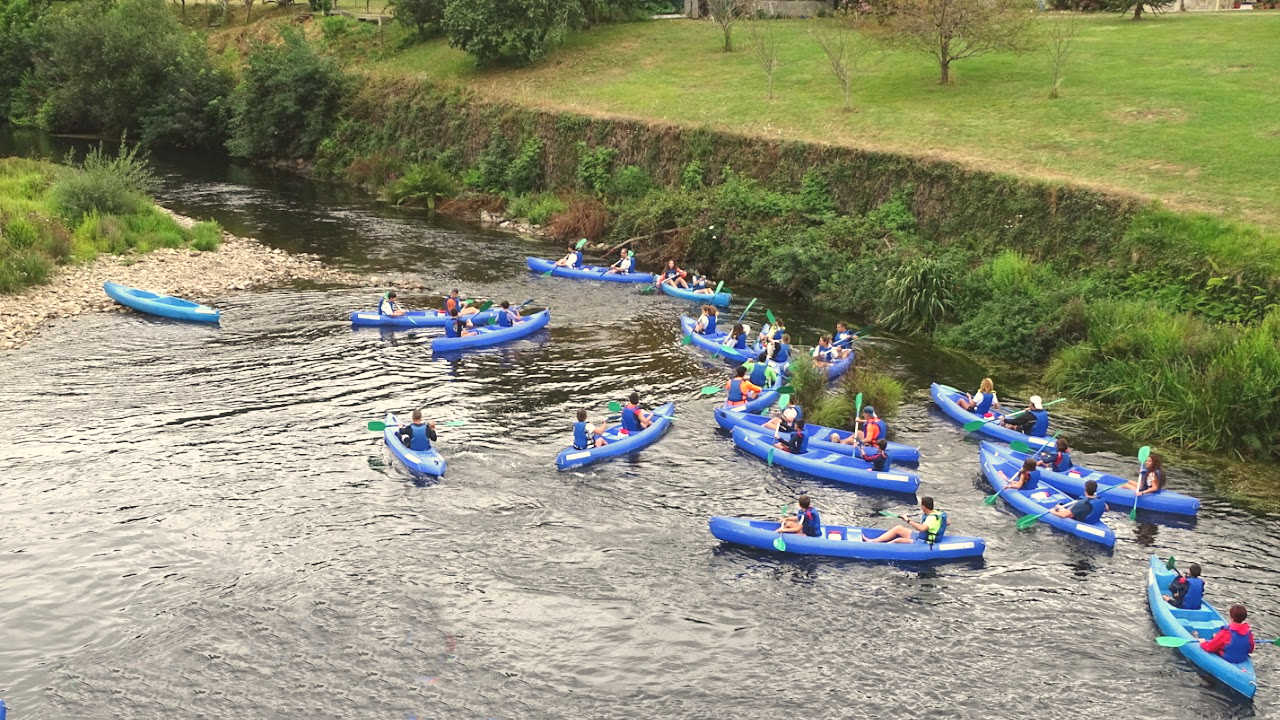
x=1203, y=627
x=835, y=534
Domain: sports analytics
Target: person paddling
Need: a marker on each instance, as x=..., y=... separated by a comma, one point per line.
x=1187, y=592
x=418, y=434
x=1234, y=643
x=572, y=259
x=389, y=306
x=737, y=338
x=1150, y=478
x=585, y=436
x=842, y=340
x=634, y=418
x=453, y=302
x=825, y=353
x=982, y=402
x=700, y=285
x=760, y=372
x=1034, y=421
x=1086, y=509
x=797, y=440
x=674, y=275
x=929, y=529
x=1024, y=479
x=780, y=353
x=624, y=264
x=506, y=316
x=706, y=323
x=740, y=389
x=456, y=327
x=806, y=520
x=1059, y=461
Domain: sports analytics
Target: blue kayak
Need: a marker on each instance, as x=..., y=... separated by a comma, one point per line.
x=162, y=305
x=819, y=436
x=487, y=335
x=999, y=468
x=944, y=396
x=714, y=343
x=843, y=541
x=416, y=318
x=419, y=462
x=765, y=400
x=840, y=367
x=1205, y=621
x=619, y=444
x=836, y=467
x=720, y=299
x=587, y=272
x=1072, y=483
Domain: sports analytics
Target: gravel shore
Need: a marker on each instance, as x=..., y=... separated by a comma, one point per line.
x=238, y=264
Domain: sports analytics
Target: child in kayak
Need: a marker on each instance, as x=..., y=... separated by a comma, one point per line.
x=706, y=324
x=1086, y=509
x=625, y=262
x=806, y=521
x=571, y=260
x=1151, y=478
x=760, y=372
x=674, y=275
x=699, y=285
x=1023, y=479
x=929, y=529
x=877, y=455
x=418, y=434
x=1059, y=461
x=456, y=327
x=797, y=440
x=1186, y=591
x=506, y=316
x=787, y=420
x=1234, y=643
x=585, y=436
x=982, y=402
x=737, y=338
x=389, y=306
x=780, y=353
x=740, y=389
x=1033, y=421
x=634, y=418
x=453, y=302
x=824, y=353
x=842, y=340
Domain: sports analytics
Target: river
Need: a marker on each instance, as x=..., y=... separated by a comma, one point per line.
x=196, y=522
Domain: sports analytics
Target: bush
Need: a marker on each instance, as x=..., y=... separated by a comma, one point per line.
x=537, y=208
x=524, y=174
x=19, y=40
x=490, y=172
x=595, y=168
x=506, y=31
x=631, y=182
x=286, y=102
x=24, y=268
x=206, y=236
x=421, y=183
x=584, y=218
x=425, y=17
x=20, y=234
x=691, y=176
x=109, y=185
x=919, y=295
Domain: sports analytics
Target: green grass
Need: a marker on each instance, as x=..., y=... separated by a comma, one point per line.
x=1182, y=107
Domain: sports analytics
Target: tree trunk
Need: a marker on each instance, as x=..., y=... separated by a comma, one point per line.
x=728, y=38
x=945, y=67
x=1137, y=11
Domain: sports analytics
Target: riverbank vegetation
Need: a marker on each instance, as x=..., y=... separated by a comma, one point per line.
x=54, y=214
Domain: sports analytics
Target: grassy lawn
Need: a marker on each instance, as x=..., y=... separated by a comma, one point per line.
x=1183, y=107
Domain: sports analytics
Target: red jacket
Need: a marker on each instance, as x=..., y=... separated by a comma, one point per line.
x=1223, y=636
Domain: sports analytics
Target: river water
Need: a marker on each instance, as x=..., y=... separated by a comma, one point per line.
x=196, y=522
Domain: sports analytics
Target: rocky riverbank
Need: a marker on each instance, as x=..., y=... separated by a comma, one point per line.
x=238, y=264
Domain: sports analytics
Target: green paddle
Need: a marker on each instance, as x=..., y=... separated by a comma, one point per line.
x=718, y=286
x=1023, y=447
x=578, y=246
x=890, y=513
x=975, y=424
x=686, y=340
x=744, y=312
x=711, y=389
x=378, y=426
x=768, y=459
x=1170, y=641
x=779, y=544
x=614, y=406
x=1144, y=452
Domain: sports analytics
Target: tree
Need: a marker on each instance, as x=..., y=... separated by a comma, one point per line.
x=952, y=30
x=507, y=31
x=1124, y=6
x=846, y=49
x=248, y=11
x=726, y=13
x=1061, y=35
x=18, y=41
x=425, y=16
x=764, y=39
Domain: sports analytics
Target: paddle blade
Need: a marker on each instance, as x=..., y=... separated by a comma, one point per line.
x=711, y=390
x=1169, y=564
x=1170, y=641
x=455, y=423
x=857, y=405
x=974, y=425
x=718, y=286
x=769, y=458
x=548, y=273
x=646, y=290
x=787, y=389
x=991, y=499
x=1144, y=452
x=526, y=302
x=1020, y=446
x=783, y=400
x=614, y=406
x=1133, y=511
x=377, y=425
x=581, y=244
x=1027, y=521
x=686, y=340
x=889, y=513
x=769, y=315
x=780, y=544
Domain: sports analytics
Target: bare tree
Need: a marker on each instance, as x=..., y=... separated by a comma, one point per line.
x=763, y=34
x=1061, y=35
x=952, y=30
x=848, y=51
x=248, y=11
x=726, y=13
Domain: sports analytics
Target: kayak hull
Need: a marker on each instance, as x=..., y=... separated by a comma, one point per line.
x=425, y=463
x=827, y=465
x=842, y=541
x=1179, y=623
x=417, y=318
x=720, y=299
x=589, y=272
x=713, y=343
x=1072, y=483
x=999, y=468
x=488, y=335
x=944, y=396
x=167, y=306
x=619, y=444
x=752, y=422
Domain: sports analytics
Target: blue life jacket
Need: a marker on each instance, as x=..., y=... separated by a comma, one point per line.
x=932, y=538
x=1195, y=593
x=799, y=440
x=782, y=354
x=700, y=285
x=418, y=439
x=1030, y=484
x=671, y=272
x=758, y=374
x=505, y=318
x=580, y=440
x=1041, y=425
x=799, y=416
x=1061, y=462
x=735, y=390
x=453, y=328
x=710, y=329
x=386, y=306
x=843, y=339
x=884, y=429
x=810, y=521
x=1237, y=649
x=630, y=420
x=741, y=344
x=777, y=332
x=577, y=258
x=1094, y=507
x=1143, y=484
x=984, y=405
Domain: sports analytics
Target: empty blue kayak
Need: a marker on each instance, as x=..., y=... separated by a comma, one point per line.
x=844, y=541
x=819, y=436
x=1205, y=621
x=714, y=343
x=619, y=444
x=487, y=335
x=588, y=272
x=720, y=299
x=419, y=462
x=1072, y=483
x=1000, y=468
x=836, y=467
x=162, y=305
x=944, y=396
x=416, y=318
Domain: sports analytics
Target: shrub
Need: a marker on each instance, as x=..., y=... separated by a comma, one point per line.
x=691, y=176
x=524, y=174
x=490, y=172
x=631, y=182
x=585, y=217
x=595, y=167
x=919, y=294
x=506, y=31
x=24, y=268
x=109, y=185
x=421, y=183
x=425, y=17
x=815, y=193
x=537, y=208
x=206, y=236
x=20, y=234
